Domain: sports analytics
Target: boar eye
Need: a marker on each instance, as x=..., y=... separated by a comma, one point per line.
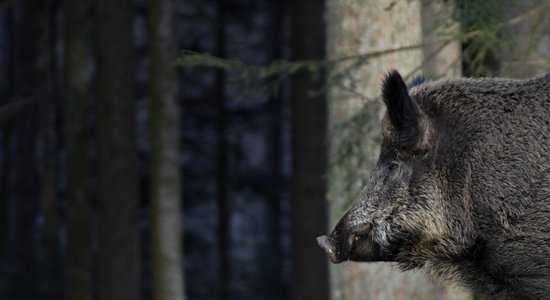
x=393, y=166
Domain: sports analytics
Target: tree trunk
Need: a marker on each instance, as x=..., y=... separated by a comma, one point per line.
x=274, y=282
x=441, y=50
x=221, y=164
x=165, y=189
x=49, y=252
x=5, y=142
x=309, y=155
x=23, y=199
x=119, y=252
x=524, y=45
x=77, y=78
x=5, y=163
x=358, y=27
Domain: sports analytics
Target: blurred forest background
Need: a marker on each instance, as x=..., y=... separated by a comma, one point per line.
x=194, y=149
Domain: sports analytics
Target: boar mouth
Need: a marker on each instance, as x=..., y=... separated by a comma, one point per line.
x=352, y=244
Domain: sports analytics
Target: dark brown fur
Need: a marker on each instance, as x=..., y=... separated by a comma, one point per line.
x=461, y=188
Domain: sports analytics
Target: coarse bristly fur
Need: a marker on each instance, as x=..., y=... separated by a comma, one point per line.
x=461, y=188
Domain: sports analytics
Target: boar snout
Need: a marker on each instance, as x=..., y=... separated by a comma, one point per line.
x=342, y=244
x=327, y=244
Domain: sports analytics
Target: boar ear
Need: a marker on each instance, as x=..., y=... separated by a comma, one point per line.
x=407, y=117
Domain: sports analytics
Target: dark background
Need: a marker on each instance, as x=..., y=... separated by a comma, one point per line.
x=235, y=157
x=82, y=89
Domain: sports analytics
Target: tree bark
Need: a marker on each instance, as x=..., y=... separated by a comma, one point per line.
x=166, y=214
x=309, y=155
x=119, y=251
x=442, y=52
x=358, y=27
x=221, y=164
x=275, y=282
x=77, y=78
x=524, y=45
x=5, y=143
x=49, y=247
x=23, y=187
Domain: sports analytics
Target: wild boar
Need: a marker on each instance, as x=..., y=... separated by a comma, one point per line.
x=461, y=187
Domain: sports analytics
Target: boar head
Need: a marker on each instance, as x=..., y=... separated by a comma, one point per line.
x=400, y=210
